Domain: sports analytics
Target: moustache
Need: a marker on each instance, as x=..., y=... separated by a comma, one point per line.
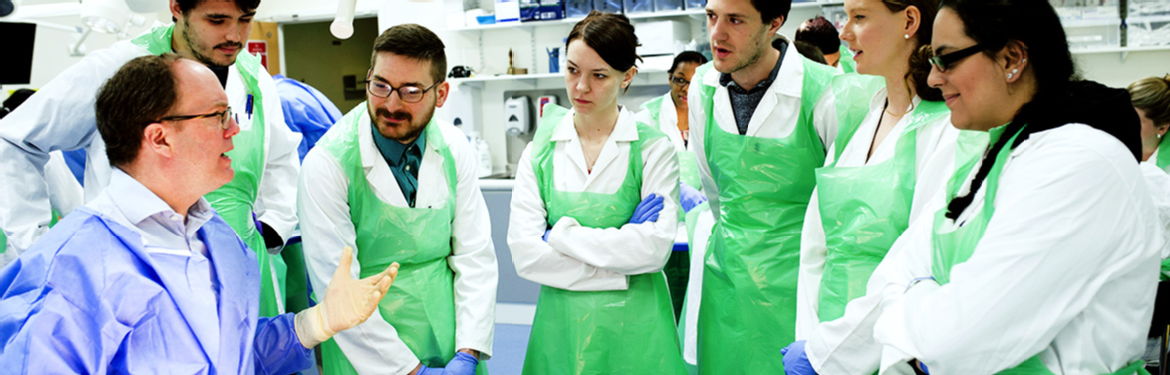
x=399, y=115
x=229, y=45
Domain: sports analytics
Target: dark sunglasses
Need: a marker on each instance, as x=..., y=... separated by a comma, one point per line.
x=947, y=61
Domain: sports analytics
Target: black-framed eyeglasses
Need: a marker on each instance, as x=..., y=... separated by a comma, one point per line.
x=408, y=93
x=679, y=81
x=947, y=61
x=221, y=116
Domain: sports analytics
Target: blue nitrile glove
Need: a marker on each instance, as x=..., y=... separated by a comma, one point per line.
x=424, y=370
x=689, y=197
x=795, y=360
x=462, y=364
x=922, y=366
x=545, y=236
x=647, y=210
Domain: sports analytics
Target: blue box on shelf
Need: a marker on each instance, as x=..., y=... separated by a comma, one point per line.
x=578, y=8
x=638, y=6
x=608, y=6
x=489, y=19
x=667, y=5
x=528, y=13
x=696, y=4
x=548, y=12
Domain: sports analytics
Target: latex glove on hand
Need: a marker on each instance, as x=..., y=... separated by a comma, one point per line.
x=647, y=210
x=461, y=364
x=424, y=370
x=689, y=197
x=347, y=302
x=796, y=360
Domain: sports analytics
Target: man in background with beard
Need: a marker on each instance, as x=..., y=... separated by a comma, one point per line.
x=393, y=182
x=60, y=116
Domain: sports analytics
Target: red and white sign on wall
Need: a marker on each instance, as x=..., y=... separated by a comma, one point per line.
x=259, y=48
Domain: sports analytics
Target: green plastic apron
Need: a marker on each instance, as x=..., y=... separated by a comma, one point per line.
x=956, y=246
x=1163, y=161
x=748, y=305
x=865, y=208
x=600, y=332
x=421, y=303
x=234, y=201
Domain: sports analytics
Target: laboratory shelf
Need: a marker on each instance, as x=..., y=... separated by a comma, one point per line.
x=1089, y=51
x=631, y=16
x=531, y=78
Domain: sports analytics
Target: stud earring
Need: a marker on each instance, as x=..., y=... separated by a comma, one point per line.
x=1010, y=75
x=906, y=36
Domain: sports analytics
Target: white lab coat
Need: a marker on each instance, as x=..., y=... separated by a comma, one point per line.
x=667, y=121
x=374, y=347
x=60, y=116
x=775, y=116
x=1067, y=269
x=581, y=258
x=1158, y=183
x=65, y=192
x=934, y=148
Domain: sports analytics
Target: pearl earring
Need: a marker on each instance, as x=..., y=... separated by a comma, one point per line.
x=906, y=36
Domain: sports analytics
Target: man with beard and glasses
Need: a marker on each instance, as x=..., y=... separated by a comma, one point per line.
x=60, y=116
x=391, y=181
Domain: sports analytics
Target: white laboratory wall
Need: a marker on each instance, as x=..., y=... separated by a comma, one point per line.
x=51, y=54
x=51, y=49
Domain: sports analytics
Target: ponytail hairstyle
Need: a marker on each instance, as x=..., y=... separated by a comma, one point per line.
x=1152, y=95
x=919, y=62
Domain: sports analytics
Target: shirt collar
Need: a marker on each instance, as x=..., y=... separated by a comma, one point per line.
x=625, y=130
x=779, y=44
x=138, y=203
x=394, y=151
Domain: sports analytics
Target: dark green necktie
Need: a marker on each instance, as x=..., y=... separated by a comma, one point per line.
x=413, y=157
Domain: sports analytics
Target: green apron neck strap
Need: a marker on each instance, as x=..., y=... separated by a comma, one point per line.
x=1163, y=160
x=992, y=181
x=547, y=125
x=654, y=108
x=707, y=100
x=157, y=41
x=925, y=112
x=435, y=139
x=852, y=94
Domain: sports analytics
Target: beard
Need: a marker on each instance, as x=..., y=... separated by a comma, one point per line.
x=412, y=128
x=203, y=57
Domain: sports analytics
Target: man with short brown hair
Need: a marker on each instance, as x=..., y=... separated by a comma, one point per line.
x=147, y=278
x=60, y=116
x=393, y=182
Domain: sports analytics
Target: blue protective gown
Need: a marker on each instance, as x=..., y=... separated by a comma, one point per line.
x=306, y=111
x=87, y=299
